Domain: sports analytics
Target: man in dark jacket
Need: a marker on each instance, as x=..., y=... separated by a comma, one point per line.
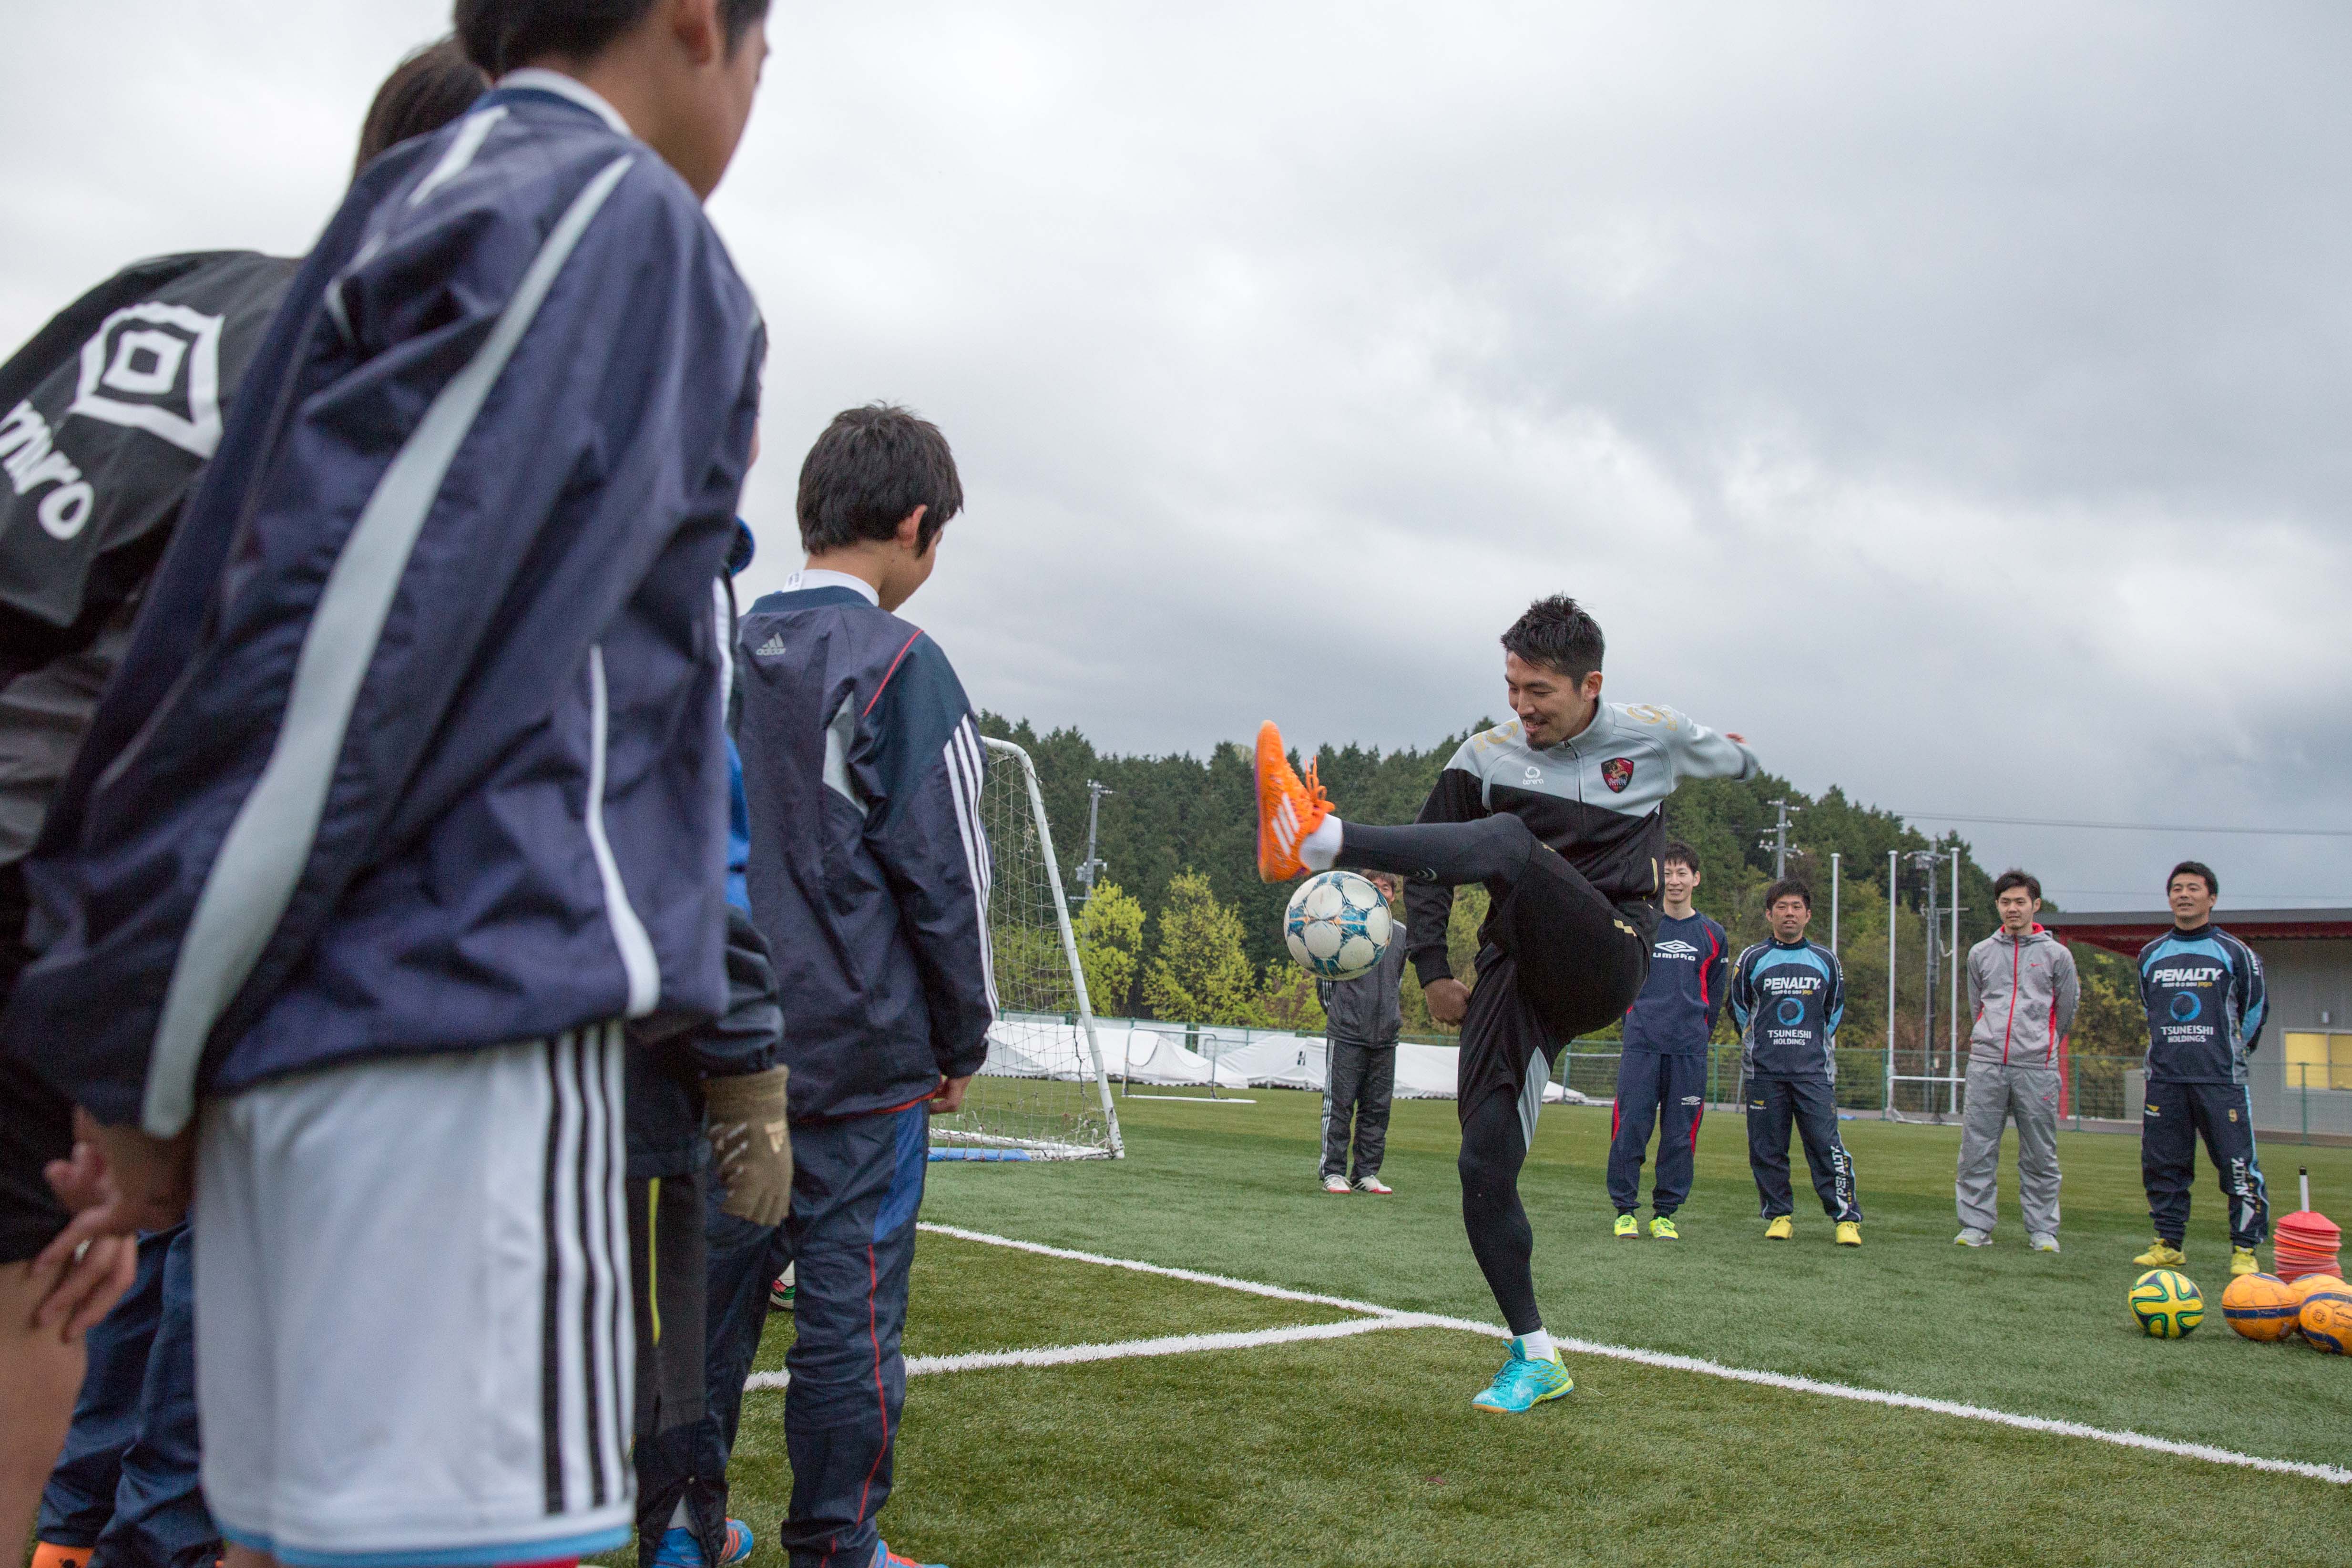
x=1788, y=996
x=1663, y=1064
x=870, y=878
x=1362, y=1018
x=2204, y=995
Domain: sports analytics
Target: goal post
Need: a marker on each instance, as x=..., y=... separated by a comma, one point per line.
x=1044, y=1093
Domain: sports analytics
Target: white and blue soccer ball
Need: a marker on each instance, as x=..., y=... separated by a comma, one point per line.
x=1338, y=925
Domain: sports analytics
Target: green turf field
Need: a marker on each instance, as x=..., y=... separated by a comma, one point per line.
x=1364, y=1449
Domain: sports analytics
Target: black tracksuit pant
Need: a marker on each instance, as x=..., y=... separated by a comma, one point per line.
x=1772, y=1104
x=1358, y=1081
x=1561, y=961
x=2173, y=1117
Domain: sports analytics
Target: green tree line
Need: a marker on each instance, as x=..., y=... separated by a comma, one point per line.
x=1181, y=927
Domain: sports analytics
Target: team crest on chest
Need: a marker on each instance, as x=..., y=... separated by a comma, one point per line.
x=1617, y=773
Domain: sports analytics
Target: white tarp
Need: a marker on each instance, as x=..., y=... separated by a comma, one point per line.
x=1146, y=1056
x=1025, y=1048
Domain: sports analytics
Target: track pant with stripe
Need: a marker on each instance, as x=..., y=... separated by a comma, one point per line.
x=1647, y=1083
x=415, y=1340
x=2173, y=1117
x=1812, y=1104
x=126, y=1488
x=1998, y=1092
x=1358, y=1083
x=857, y=1183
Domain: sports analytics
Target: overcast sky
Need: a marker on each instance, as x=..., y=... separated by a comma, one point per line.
x=1953, y=399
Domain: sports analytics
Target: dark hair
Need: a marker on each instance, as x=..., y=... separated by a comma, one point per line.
x=1678, y=853
x=1557, y=634
x=871, y=467
x=432, y=87
x=2013, y=878
x=501, y=34
x=1789, y=888
x=2195, y=868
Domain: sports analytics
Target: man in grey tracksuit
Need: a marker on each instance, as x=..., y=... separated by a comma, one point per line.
x=2022, y=995
x=1363, y=1017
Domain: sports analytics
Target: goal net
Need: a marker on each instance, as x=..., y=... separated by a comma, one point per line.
x=1043, y=1094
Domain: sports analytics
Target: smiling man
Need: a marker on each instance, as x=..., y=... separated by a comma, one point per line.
x=2203, y=991
x=1557, y=812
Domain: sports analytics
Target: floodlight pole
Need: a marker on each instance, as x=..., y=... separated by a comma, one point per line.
x=1952, y=1012
x=1892, y=874
x=1836, y=858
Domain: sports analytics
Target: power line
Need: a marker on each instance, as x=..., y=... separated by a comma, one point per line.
x=2131, y=827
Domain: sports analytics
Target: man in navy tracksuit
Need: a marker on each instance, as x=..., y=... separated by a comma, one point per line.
x=1663, y=1061
x=2203, y=991
x=1787, y=996
x=869, y=876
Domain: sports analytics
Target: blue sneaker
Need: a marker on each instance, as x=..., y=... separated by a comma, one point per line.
x=679, y=1548
x=1523, y=1384
x=886, y=1557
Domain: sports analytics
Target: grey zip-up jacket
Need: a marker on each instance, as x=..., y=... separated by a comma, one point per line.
x=1369, y=1009
x=2022, y=995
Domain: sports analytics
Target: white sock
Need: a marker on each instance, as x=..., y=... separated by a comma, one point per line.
x=1536, y=1346
x=1320, y=847
x=680, y=1519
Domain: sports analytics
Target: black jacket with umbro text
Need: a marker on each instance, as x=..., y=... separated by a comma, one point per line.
x=1596, y=797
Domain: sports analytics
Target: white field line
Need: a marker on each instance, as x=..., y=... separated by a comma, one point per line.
x=1123, y=1350
x=1381, y=1317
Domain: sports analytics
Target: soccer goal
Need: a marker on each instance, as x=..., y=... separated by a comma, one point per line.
x=1043, y=1094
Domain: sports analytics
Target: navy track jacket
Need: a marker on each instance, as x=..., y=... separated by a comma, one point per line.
x=2205, y=998
x=417, y=746
x=1788, y=998
x=862, y=764
x=1675, y=1013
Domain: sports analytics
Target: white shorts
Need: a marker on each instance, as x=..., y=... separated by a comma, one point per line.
x=414, y=1336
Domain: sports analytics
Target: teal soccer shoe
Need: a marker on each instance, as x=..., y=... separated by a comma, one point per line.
x=1523, y=1384
x=679, y=1548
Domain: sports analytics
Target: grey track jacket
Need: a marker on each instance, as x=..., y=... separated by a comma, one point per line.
x=1368, y=1010
x=2022, y=995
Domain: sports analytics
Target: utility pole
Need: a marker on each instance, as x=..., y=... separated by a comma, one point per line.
x=1779, y=841
x=1093, y=866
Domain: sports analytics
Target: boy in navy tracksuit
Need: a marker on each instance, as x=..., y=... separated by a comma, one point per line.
x=405, y=810
x=1787, y=996
x=1663, y=1061
x=2203, y=992
x=125, y=1492
x=869, y=876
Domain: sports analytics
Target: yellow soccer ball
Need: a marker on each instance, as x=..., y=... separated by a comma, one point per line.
x=2326, y=1320
x=2167, y=1304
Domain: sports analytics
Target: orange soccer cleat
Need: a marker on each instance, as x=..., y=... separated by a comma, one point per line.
x=1288, y=807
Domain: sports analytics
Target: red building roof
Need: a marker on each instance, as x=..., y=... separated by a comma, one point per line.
x=2126, y=931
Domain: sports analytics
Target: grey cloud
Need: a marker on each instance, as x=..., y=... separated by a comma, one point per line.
x=1945, y=396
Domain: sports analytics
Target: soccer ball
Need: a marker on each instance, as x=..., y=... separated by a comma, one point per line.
x=2303, y=1289
x=2167, y=1304
x=2260, y=1306
x=1338, y=925
x=2327, y=1320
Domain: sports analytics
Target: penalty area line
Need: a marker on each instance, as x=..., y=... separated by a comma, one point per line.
x=1378, y=1317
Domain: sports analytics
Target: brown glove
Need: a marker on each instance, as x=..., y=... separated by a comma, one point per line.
x=751, y=1144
